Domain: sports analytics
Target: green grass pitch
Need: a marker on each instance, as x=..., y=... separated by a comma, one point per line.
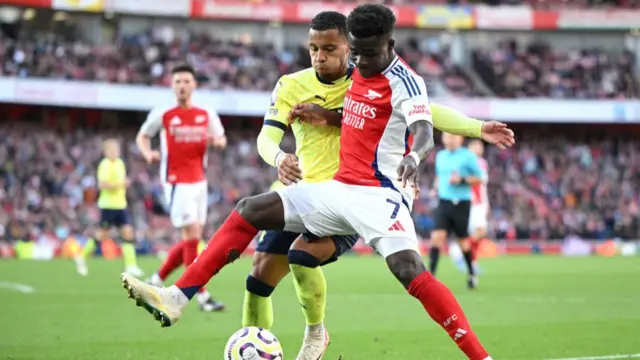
x=525, y=308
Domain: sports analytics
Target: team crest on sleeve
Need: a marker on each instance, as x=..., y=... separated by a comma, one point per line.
x=274, y=94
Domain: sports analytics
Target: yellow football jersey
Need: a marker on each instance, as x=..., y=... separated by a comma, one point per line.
x=113, y=171
x=317, y=147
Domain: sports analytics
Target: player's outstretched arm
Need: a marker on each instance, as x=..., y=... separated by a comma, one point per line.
x=454, y=122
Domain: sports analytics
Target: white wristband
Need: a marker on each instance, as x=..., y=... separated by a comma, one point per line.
x=415, y=157
x=278, y=158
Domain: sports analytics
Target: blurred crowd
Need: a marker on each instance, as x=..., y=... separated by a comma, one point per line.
x=546, y=188
x=147, y=58
x=515, y=70
x=510, y=69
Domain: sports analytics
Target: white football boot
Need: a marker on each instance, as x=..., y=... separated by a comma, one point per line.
x=315, y=343
x=165, y=304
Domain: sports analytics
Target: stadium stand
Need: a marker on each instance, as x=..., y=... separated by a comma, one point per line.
x=544, y=189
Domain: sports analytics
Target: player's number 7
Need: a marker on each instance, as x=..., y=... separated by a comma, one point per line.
x=395, y=208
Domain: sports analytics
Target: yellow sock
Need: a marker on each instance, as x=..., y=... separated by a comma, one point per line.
x=201, y=246
x=129, y=254
x=257, y=311
x=89, y=247
x=311, y=287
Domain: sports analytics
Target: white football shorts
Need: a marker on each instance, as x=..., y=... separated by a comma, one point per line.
x=186, y=203
x=328, y=208
x=478, y=217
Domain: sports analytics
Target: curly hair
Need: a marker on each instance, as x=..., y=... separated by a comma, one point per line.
x=329, y=20
x=368, y=20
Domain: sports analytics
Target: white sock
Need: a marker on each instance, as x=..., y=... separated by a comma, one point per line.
x=315, y=331
x=488, y=358
x=177, y=294
x=203, y=297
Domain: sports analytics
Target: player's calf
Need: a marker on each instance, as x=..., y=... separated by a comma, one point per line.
x=437, y=300
x=266, y=273
x=311, y=288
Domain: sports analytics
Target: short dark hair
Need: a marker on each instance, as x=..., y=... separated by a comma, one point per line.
x=183, y=68
x=329, y=20
x=368, y=20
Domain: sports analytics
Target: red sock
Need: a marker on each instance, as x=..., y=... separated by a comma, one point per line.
x=190, y=254
x=173, y=260
x=475, y=245
x=444, y=309
x=190, y=251
x=226, y=245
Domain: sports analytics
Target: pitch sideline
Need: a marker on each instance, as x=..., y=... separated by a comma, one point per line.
x=606, y=357
x=22, y=288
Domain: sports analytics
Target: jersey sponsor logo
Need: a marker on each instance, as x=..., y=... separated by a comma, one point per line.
x=371, y=95
x=188, y=134
x=200, y=119
x=175, y=121
x=273, y=112
x=420, y=109
x=355, y=113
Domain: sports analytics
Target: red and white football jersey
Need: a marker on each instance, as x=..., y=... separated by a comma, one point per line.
x=183, y=140
x=375, y=133
x=479, y=194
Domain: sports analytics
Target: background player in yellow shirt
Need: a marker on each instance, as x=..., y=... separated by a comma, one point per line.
x=113, y=183
x=316, y=159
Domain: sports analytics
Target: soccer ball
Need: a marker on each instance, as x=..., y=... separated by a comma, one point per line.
x=253, y=343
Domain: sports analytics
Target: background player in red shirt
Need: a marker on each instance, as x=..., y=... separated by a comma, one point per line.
x=478, y=218
x=186, y=131
x=379, y=211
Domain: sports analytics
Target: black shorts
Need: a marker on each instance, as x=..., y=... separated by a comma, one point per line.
x=278, y=242
x=453, y=217
x=110, y=218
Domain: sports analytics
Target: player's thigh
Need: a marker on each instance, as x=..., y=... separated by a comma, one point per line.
x=316, y=208
x=203, y=203
x=460, y=219
x=377, y=213
x=270, y=262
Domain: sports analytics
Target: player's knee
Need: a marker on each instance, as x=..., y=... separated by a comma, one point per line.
x=302, y=258
x=406, y=265
x=127, y=233
x=438, y=238
x=191, y=231
x=269, y=268
x=259, y=287
x=262, y=211
x=322, y=249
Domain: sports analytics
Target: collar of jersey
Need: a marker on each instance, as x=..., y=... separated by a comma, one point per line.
x=344, y=78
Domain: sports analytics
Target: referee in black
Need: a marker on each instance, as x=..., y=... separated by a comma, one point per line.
x=456, y=169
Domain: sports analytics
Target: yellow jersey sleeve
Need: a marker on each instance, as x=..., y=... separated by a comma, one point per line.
x=454, y=122
x=282, y=100
x=275, y=121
